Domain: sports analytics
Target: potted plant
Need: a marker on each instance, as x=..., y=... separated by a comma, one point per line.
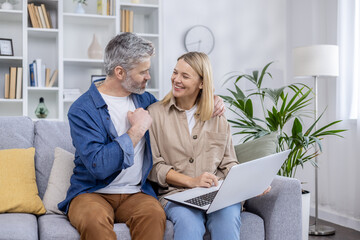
x=282, y=111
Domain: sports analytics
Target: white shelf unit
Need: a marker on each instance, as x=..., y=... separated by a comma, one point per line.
x=64, y=47
x=11, y=27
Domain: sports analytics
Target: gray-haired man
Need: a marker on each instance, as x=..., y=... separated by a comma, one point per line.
x=109, y=128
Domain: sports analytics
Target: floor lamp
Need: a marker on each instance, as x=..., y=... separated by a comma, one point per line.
x=316, y=61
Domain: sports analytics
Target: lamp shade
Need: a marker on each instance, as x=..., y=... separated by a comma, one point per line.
x=316, y=60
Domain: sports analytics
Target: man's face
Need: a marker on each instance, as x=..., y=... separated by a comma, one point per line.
x=137, y=78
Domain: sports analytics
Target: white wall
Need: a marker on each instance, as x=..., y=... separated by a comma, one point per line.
x=251, y=33
x=248, y=34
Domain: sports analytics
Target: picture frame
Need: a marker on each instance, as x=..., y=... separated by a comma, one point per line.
x=6, y=47
x=97, y=77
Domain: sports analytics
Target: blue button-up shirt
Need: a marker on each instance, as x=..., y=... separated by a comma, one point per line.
x=100, y=153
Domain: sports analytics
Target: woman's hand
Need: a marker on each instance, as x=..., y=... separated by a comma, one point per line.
x=265, y=192
x=204, y=180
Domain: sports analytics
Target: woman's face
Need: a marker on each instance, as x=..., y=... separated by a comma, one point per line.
x=186, y=83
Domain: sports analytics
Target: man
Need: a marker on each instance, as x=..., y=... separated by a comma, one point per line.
x=109, y=128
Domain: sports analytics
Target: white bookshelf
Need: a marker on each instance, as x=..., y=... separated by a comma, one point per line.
x=64, y=47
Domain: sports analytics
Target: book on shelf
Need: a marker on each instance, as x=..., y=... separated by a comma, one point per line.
x=7, y=85
x=105, y=7
x=122, y=20
x=45, y=14
x=47, y=76
x=19, y=77
x=127, y=20
x=33, y=19
x=53, y=78
x=42, y=18
x=12, y=89
x=31, y=75
x=49, y=19
x=39, y=16
x=39, y=75
x=131, y=21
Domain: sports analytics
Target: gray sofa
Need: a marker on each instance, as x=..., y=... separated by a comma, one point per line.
x=274, y=216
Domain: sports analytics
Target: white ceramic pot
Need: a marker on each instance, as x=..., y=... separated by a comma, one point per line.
x=79, y=9
x=7, y=6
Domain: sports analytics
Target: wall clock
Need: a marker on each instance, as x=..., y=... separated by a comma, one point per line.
x=199, y=38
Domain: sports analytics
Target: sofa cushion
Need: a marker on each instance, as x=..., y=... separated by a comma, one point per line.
x=48, y=136
x=54, y=226
x=18, y=191
x=16, y=132
x=18, y=226
x=257, y=148
x=59, y=180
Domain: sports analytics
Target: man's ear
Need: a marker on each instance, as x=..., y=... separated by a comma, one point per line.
x=119, y=72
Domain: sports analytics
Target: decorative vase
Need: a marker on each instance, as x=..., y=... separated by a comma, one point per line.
x=95, y=51
x=79, y=9
x=7, y=6
x=41, y=110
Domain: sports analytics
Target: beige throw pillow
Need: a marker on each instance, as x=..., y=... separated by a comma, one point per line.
x=59, y=180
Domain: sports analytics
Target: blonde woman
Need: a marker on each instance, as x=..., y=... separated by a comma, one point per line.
x=192, y=149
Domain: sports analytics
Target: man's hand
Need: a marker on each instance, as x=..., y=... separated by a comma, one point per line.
x=140, y=121
x=205, y=180
x=219, y=106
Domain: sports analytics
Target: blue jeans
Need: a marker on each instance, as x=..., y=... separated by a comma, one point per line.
x=189, y=223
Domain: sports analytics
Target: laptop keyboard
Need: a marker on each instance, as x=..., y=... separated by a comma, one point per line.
x=203, y=200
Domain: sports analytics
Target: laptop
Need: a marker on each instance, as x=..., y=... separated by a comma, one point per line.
x=243, y=182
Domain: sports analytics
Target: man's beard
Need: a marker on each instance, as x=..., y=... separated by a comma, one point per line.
x=132, y=86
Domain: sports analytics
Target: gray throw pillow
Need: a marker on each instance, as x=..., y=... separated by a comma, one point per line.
x=257, y=148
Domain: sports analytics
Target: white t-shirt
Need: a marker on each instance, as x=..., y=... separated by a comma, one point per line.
x=190, y=115
x=128, y=181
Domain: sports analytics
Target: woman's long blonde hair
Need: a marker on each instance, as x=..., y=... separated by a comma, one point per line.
x=201, y=64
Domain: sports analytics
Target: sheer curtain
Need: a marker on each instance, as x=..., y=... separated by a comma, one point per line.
x=341, y=171
x=349, y=45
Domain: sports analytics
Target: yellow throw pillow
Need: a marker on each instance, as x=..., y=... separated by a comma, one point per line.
x=18, y=189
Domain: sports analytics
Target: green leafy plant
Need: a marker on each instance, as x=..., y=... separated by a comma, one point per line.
x=282, y=111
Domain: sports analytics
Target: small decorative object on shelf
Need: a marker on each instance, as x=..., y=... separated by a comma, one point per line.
x=7, y=6
x=95, y=51
x=135, y=1
x=6, y=47
x=79, y=7
x=41, y=110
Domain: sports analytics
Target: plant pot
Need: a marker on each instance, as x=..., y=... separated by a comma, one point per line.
x=305, y=200
x=7, y=6
x=79, y=9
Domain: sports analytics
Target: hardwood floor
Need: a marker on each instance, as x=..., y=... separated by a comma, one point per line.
x=341, y=233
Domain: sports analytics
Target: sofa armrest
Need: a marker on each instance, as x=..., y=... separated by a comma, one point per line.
x=280, y=209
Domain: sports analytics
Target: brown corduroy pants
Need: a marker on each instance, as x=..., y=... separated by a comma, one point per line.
x=94, y=214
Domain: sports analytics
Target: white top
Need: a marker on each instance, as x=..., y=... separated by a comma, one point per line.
x=128, y=181
x=190, y=115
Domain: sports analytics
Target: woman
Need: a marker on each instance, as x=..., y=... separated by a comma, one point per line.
x=192, y=149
